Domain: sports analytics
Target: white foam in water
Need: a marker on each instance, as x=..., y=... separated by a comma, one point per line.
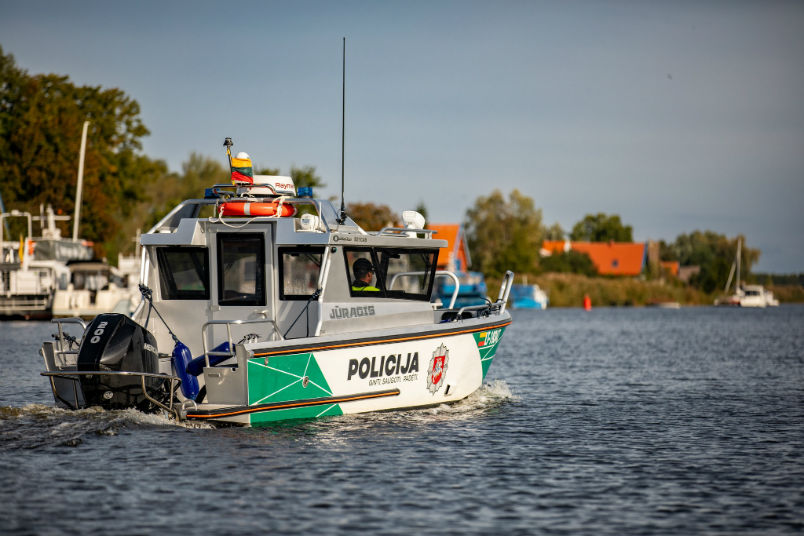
x=488, y=395
x=158, y=419
x=64, y=420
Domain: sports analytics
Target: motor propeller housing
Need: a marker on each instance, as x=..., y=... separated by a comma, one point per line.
x=115, y=343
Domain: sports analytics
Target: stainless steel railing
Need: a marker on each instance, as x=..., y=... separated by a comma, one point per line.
x=229, y=324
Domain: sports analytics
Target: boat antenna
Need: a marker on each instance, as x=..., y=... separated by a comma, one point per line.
x=342, y=216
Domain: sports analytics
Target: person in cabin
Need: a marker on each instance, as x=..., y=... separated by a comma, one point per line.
x=364, y=272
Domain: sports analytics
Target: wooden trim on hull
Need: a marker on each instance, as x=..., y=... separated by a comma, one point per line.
x=246, y=410
x=378, y=340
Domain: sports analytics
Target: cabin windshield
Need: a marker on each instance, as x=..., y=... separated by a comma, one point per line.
x=391, y=272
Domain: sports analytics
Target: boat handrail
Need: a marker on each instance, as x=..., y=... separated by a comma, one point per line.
x=165, y=222
x=502, y=298
x=505, y=290
x=485, y=306
x=401, y=231
x=229, y=324
x=170, y=215
x=69, y=320
x=439, y=273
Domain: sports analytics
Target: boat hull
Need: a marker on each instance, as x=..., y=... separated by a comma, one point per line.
x=405, y=370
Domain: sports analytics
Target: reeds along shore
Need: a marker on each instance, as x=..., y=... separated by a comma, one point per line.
x=568, y=290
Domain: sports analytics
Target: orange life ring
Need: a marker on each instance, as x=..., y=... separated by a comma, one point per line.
x=257, y=209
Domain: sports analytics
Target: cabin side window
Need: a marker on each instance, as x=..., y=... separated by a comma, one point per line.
x=408, y=273
x=241, y=269
x=361, y=272
x=299, y=269
x=391, y=272
x=183, y=273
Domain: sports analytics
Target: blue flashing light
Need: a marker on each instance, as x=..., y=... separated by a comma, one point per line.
x=210, y=193
x=305, y=191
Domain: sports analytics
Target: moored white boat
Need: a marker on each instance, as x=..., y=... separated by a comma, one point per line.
x=744, y=295
x=94, y=287
x=31, y=270
x=297, y=315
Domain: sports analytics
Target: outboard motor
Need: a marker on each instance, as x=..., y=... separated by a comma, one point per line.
x=115, y=343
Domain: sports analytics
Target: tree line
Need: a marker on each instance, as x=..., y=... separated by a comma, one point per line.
x=41, y=116
x=506, y=234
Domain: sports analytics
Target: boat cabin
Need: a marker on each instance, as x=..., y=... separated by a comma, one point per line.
x=302, y=272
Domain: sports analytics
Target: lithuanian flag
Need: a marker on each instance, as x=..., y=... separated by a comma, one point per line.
x=242, y=172
x=481, y=339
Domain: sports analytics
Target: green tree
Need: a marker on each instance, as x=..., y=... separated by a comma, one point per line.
x=714, y=253
x=198, y=173
x=302, y=176
x=554, y=232
x=504, y=234
x=306, y=176
x=267, y=171
x=372, y=217
x=601, y=228
x=574, y=262
x=421, y=208
x=41, y=118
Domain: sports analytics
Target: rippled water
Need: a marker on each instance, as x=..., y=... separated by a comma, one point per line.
x=617, y=421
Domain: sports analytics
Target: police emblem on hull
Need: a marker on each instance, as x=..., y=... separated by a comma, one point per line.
x=437, y=369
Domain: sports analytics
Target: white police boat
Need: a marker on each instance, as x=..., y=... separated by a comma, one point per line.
x=254, y=311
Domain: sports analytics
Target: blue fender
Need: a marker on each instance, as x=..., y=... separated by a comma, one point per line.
x=181, y=359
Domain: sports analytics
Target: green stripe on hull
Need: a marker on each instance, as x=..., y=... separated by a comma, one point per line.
x=287, y=378
x=311, y=412
x=487, y=343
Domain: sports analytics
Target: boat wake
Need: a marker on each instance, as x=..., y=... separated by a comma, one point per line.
x=489, y=397
x=486, y=401
x=38, y=426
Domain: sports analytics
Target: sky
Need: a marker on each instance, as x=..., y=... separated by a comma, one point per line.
x=677, y=116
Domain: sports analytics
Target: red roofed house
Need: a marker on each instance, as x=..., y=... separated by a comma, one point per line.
x=610, y=258
x=454, y=257
x=670, y=267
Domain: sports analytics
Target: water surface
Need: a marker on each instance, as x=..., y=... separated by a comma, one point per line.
x=616, y=421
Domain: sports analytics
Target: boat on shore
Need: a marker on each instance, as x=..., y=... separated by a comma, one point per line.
x=49, y=275
x=293, y=313
x=35, y=267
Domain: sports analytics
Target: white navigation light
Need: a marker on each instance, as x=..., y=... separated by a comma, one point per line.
x=412, y=220
x=242, y=154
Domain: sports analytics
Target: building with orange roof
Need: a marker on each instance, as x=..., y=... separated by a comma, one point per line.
x=610, y=258
x=455, y=256
x=670, y=267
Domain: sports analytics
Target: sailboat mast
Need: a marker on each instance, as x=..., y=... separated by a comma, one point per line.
x=80, y=185
x=739, y=255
